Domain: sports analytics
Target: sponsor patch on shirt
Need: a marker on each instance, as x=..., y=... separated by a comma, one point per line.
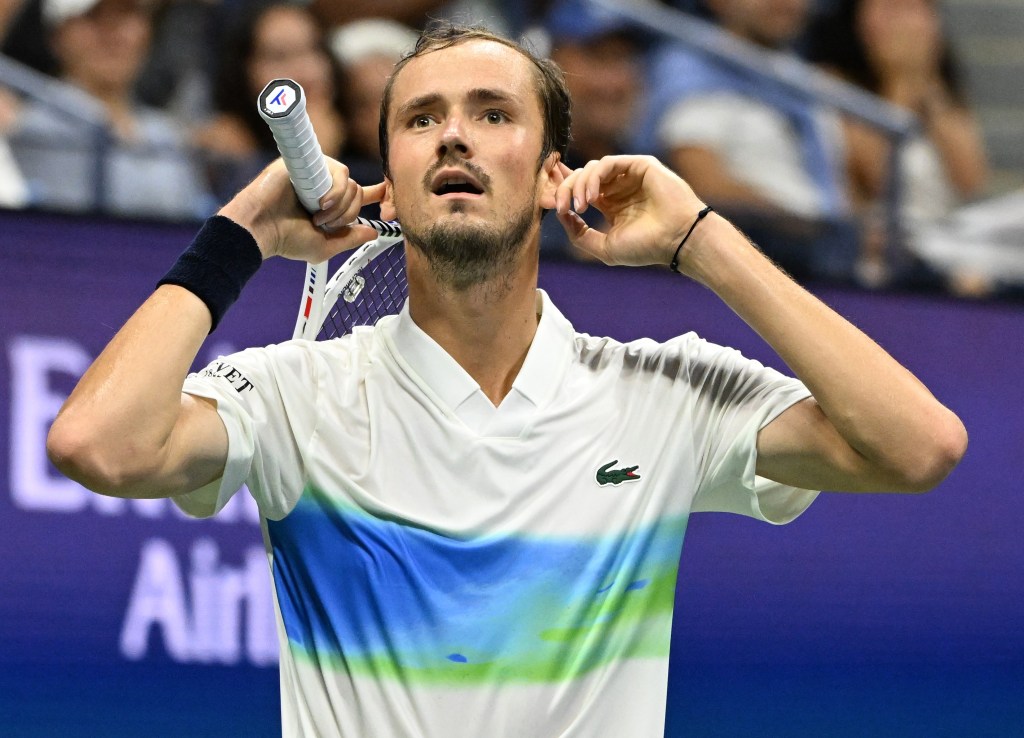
x=223, y=370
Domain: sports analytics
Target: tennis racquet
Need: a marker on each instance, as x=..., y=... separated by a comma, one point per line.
x=371, y=282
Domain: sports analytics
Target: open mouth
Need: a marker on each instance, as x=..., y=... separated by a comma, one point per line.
x=455, y=184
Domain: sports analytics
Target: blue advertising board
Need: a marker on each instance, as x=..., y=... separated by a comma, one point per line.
x=869, y=615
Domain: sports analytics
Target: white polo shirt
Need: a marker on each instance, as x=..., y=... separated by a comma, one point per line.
x=443, y=567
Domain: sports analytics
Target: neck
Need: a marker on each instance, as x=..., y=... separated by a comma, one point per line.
x=487, y=328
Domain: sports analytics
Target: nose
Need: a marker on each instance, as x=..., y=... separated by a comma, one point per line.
x=454, y=140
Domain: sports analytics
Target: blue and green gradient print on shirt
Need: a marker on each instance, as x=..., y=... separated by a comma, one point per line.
x=391, y=600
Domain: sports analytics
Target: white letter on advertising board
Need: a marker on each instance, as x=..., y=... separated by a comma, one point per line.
x=34, y=405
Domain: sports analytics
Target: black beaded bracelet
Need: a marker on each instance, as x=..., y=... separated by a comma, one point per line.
x=222, y=258
x=674, y=264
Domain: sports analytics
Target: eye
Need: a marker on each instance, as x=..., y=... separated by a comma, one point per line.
x=421, y=121
x=495, y=116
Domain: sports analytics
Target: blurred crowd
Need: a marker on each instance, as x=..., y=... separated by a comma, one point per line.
x=148, y=110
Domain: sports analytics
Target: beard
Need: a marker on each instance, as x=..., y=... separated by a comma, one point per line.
x=463, y=255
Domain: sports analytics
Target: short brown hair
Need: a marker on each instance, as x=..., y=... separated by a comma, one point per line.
x=554, y=96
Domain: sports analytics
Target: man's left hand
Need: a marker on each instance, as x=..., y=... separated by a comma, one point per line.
x=648, y=209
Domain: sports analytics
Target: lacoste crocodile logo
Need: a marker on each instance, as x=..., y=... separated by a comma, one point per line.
x=607, y=475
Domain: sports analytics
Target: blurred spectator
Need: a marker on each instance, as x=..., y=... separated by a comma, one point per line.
x=133, y=162
x=367, y=51
x=186, y=44
x=600, y=56
x=769, y=158
x=896, y=49
x=23, y=32
x=506, y=17
x=13, y=190
x=408, y=12
x=9, y=11
x=278, y=39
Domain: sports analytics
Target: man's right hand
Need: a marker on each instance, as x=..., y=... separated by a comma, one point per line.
x=268, y=208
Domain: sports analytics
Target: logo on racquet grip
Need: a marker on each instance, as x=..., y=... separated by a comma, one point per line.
x=279, y=98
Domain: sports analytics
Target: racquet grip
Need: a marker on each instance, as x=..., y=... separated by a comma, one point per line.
x=282, y=104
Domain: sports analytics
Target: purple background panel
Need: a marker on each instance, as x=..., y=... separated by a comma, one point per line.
x=869, y=615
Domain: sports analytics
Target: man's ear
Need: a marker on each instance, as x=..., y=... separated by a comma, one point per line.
x=387, y=202
x=550, y=177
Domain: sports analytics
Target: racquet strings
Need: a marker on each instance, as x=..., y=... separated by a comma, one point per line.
x=377, y=290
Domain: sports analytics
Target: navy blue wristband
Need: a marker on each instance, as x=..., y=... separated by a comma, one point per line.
x=222, y=258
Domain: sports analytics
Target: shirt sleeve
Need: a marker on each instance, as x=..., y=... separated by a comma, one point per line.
x=735, y=398
x=266, y=399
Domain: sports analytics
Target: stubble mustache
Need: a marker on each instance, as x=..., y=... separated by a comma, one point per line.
x=450, y=159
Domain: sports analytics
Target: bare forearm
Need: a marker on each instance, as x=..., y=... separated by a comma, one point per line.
x=119, y=419
x=884, y=413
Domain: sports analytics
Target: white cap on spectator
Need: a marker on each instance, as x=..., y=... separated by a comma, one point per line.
x=56, y=12
x=359, y=39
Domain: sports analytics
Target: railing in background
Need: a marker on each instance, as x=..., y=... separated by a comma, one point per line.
x=71, y=102
x=73, y=160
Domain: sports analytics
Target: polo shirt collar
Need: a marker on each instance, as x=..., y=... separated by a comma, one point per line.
x=459, y=393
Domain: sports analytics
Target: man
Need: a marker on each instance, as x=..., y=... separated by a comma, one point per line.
x=147, y=170
x=770, y=158
x=474, y=514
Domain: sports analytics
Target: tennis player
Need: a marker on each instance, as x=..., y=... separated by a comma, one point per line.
x=473, y=513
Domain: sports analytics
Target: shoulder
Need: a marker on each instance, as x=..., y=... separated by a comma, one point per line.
x=643, y=355
x=701, y=363
x=297, y=361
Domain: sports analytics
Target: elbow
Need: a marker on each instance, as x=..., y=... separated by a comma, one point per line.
x=84, y=458
x=936, y=458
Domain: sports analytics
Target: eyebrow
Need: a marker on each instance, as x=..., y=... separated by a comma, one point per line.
x=488, y=95
x=477, y=95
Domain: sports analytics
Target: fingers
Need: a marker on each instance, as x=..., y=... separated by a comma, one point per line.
x=581, y=235
x=349, y=237
x=583, y=187
x=342, y=203
x=579, y=189
x=563, y=191
x=374, y=193
x=339, y=209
